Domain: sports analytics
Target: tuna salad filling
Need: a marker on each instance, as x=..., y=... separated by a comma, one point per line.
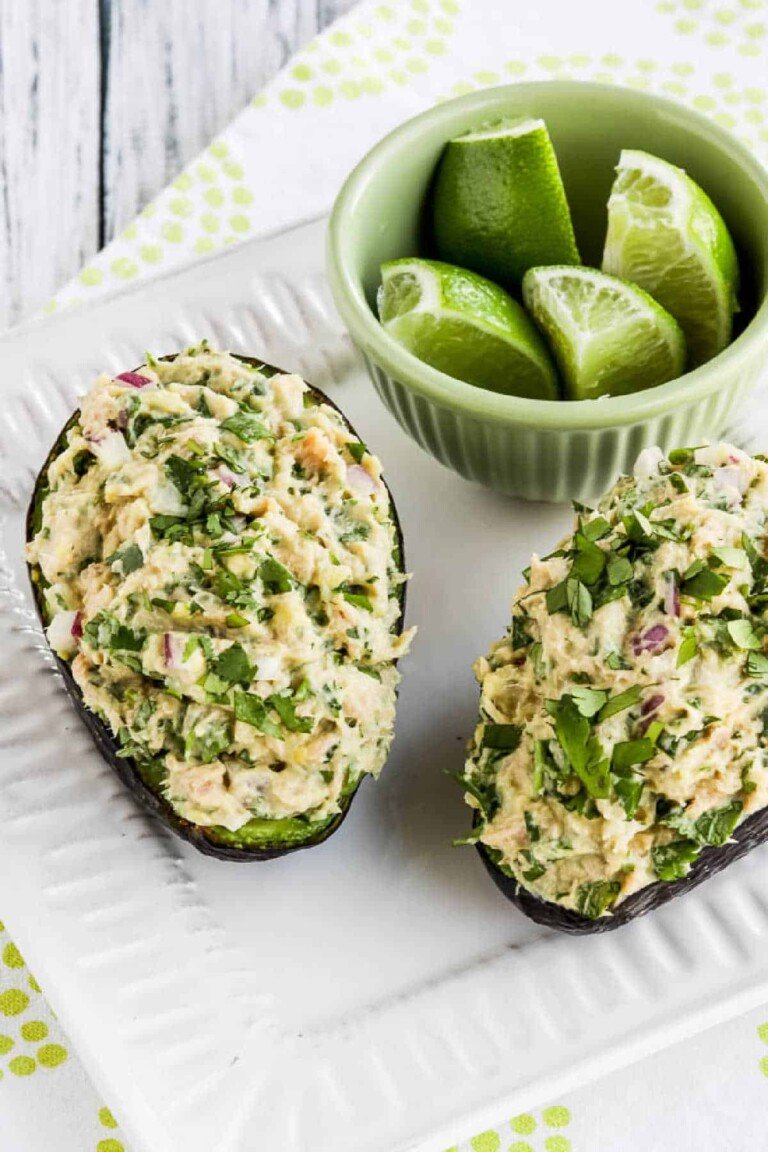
x=220, y=565
x=623, y=715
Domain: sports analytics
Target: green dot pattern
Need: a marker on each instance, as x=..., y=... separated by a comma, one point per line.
x=393, y=48
x=486, y=1142
x=108, y=1143
x=556, y=1117
x=207, y=206
x=531, y=1132
x=523, y=1124
x=31, y=1040
x=34, y=1030
x=721, y=27
x=12, y=957
x=718, y=94
x=557, y=1144
x=106, y=1118
x=22, y=1066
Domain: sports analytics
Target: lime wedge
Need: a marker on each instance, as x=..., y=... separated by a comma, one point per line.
x=608, y=337
x=464, y=325
x=665, y=234
x=498, y=202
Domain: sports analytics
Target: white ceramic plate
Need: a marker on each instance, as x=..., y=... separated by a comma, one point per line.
x=376, y=994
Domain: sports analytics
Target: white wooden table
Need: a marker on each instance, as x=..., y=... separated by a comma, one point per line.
x=102, y=102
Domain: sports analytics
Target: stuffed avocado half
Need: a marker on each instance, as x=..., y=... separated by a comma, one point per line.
x=218, y=565
x=620, y=756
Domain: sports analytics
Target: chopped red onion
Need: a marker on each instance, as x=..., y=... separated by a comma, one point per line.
x=133, y=379
x=671, y=597
x=227, y=478
x=360, y=479
x=168, y=649
x=650, y=640
x=651, y=704
x=64, y=632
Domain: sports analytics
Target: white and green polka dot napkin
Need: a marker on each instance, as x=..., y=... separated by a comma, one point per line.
x=282, y=161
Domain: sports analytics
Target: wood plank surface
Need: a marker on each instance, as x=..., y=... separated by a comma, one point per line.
x=49, y=147
x=102, y=102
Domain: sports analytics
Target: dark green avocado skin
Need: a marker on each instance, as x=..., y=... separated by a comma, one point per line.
x=751, y=834
x=219, y=843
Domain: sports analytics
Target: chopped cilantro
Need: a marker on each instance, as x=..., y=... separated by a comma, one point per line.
x=700, y=583
x=673, y=861
x=356, y=449
x=620, y=701
x=82, y=461
x=519, y=634
x=358, y=599
x=186, y=475
x=286, y=710
x=274, y=576
x=105, y=631
x=534, y=868
x=581, y=747
x=247, y=426
x=251, y=709
x=757, y=664
x=208, y=744
x=127, y=560
x=589, y=560
x=589, y=701
x=715, y=826
x=233, y=665
x=532, y=827
x=743, y=634
x=620, y=570
x=630, y=752
x=596, y=897
x=503, y=737
x=235, y=620
x=579, y=602
x=688, y=647
x=629, y=791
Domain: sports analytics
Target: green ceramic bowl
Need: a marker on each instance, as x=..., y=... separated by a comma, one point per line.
x=544, y=449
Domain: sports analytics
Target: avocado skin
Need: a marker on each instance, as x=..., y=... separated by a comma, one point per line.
x=751, y=834
x=219, y=843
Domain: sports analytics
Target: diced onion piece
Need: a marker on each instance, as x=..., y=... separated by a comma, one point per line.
x=268, y=667
x=111, y=450
x=732, y=481
x=133, y=379
x=64, y=632
x=360, y=480
x=650, y=640
x=671, y=597
x=652, y=704
x=227, y=478
x=166, y=499
x=647, y=463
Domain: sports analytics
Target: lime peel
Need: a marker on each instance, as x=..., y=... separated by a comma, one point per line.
x=608, y=337
x=466, y=326
x=666, y=235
